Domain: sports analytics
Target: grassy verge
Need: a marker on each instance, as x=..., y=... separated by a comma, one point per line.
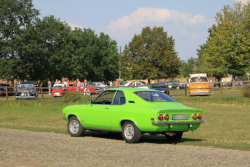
x=226, y=118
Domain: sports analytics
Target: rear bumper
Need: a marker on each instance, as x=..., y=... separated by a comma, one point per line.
x=178, y=122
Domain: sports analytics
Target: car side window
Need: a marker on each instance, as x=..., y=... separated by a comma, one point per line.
x=105, y=98
x=119, y=98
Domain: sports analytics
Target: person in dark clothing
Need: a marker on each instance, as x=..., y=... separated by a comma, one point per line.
x=39, y=84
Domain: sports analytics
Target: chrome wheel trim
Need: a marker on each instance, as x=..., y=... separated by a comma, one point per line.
x=88, y=92
x=129, y=131
x=74, y=126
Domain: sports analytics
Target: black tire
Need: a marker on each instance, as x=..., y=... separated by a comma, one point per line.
x=176, y=137
x=75, y=128
x=130, y=132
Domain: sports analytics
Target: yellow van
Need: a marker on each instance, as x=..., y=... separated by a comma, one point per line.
x=198, y=84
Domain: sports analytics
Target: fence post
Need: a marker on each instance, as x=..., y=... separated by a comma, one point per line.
x=221, y=88
x=42, y=91
x=6, y=92
x=185, y=89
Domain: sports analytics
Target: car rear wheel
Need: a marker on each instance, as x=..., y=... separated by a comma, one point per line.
x=130, y=132
x=75, y=128
x=174, y=137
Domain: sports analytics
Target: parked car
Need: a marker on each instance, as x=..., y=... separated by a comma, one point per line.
x=59, y=90
x=160, y=86
x=167, y=82
x=198, y=84
x=3, y=90
x=99, y=86
x=144, y=83
x=90, y=88
x=133, y=112
x=27, y=90
x=176, y=84
x=137, y=85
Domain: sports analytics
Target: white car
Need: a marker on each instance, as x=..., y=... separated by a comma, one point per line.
x=137, y=85
x=99, y=84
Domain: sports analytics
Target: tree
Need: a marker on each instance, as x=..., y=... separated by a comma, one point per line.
x=95, y=58
x=228, y=46
x=15, y=16
x=150, y=55
x=47, y=49
x=188, y=67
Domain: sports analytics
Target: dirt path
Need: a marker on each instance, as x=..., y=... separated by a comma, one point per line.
x=25, y=148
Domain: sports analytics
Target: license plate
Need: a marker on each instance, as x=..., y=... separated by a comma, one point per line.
x=181, y=117
x=199, y=90
x=57, y=93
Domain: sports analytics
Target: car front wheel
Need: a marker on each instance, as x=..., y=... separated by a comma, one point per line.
x=131, y=133
x=175, y=137
x=75, y=128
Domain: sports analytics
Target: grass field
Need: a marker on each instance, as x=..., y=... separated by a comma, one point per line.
x=226, y=118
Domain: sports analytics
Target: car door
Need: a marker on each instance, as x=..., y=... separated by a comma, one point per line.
x=118, y=111
x=98, y=114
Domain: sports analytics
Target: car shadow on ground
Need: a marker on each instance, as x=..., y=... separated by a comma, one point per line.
x=146, y=138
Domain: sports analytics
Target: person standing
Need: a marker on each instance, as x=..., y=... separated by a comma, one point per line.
x=117, y=83
x=68, y=82
x=111, y=83
x=39, y=84
x=65, y=83
x=78, y=84
x=49, y=84
x=85, y=86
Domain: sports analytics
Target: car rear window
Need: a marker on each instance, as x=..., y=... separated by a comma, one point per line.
x=152, y=96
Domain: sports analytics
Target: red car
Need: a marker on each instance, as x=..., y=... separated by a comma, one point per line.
x=90, y=88
x=59, y=90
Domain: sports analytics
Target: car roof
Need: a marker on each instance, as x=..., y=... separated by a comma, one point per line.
x=131, y=89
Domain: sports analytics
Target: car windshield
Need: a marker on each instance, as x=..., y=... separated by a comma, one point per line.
x=152, y=96
x=26, y=85
x=199, y=79
x=175, y=82
x=90, y=84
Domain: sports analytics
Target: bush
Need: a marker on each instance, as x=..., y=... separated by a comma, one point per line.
x=246, y=92
x=73, y=97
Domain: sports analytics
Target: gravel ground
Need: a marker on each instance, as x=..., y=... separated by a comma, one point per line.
x=26, y=148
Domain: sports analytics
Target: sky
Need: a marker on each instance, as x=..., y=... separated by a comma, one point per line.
x=187, y=21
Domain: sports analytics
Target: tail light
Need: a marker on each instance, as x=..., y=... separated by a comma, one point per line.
x=160, y=116
x=199, y=116
x=166, y=116
x=194, y=116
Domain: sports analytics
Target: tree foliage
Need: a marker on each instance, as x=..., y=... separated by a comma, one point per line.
x=150, y=55
x=15, y=16
x=187, y=67
x=228, y=46
x=48, y=49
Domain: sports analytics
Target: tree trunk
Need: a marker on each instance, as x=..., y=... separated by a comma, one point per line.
x=149, y=81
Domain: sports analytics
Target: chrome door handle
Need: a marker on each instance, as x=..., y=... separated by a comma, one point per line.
x=107, y=108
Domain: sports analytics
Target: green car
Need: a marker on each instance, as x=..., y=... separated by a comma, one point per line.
x=133, y=112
